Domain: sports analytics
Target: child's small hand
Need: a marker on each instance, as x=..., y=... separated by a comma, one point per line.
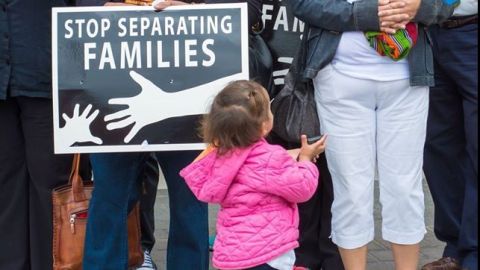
x=294, y=153
x=310, y=152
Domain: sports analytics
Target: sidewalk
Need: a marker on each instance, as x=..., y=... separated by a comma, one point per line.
x=379, y=258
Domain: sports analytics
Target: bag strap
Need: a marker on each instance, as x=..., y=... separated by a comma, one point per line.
x=76, y=180
x=299, y=63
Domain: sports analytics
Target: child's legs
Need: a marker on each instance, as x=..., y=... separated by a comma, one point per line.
x=115, y=179
x=346, y=109
x=401, y=129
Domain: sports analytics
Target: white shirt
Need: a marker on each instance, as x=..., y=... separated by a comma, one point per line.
x=356, y=58
x=466, y=7
x=284, y=261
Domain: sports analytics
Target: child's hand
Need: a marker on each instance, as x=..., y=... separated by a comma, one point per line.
x=294, y=153
x=310, y=152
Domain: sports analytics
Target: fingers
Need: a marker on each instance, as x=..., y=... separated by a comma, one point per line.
x=162, y=5
x=303, y=140
x=96, y=140
x=145, y=83
x=119, y=101
x=397, y=14
x=76, y=111
x=391, y=6
x=120, y=124
x=65, y=117
x=383, y=3
x=388, y=30
x=93, y=115
x=117, y=115
x=86, y=111
x=132, y=133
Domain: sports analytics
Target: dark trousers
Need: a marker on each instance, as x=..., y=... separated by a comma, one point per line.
x=147, y=201
x=28, y=172
x=451, y=150
x=117, y=183
x=316, y=250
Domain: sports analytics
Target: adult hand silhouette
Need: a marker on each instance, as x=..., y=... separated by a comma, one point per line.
x=153, y=104
x=77, y=128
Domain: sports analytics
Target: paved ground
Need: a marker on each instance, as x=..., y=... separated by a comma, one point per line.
x=379, y=257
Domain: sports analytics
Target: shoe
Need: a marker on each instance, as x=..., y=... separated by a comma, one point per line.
x=446, y=263
x=148, y=263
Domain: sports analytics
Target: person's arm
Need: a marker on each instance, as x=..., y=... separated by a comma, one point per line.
x=338, y=15
x=426, y=12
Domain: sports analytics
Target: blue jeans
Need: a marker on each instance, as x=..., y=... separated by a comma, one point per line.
x=451, y=149
x=116, y=178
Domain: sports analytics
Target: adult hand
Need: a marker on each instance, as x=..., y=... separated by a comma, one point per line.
x=311, y=152
x=397, y=13
x=153, y=104
x=77, y=128
x=161, y=5
x=392, y=26
x=117, y=4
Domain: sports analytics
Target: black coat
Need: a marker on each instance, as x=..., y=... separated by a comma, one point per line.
x=25, y=47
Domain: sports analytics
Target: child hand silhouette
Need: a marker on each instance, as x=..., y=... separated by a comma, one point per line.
x=310, y=152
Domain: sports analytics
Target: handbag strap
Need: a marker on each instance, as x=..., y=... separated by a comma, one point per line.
x=76, y=180
x=300, y=59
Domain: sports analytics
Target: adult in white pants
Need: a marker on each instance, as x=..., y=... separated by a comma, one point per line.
x=373, y=122
x=374, y=111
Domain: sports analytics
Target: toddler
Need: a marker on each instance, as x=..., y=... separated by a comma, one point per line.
x=257, y=185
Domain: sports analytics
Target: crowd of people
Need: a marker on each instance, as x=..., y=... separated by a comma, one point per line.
x=396, y=89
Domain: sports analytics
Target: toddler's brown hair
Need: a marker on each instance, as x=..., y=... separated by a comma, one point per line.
x=236, y=116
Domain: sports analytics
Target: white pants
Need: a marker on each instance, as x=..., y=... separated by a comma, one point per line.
x=371, y=123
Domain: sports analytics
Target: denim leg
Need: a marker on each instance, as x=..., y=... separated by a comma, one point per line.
x=116, y=190
x=188, y=235
x=451, y=152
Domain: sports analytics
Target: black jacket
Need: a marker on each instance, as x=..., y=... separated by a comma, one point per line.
x=25, y=47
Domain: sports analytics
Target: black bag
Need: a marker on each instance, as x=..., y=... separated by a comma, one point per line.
x=294, y=108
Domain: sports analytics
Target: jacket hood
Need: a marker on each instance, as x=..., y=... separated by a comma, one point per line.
x=210, y=177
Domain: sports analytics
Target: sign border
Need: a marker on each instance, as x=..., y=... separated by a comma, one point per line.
x=133, y=147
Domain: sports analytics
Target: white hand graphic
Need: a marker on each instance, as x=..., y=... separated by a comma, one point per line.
x=153, y=104
x=77, y=128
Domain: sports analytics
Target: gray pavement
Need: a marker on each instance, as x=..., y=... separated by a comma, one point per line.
x=379, y=257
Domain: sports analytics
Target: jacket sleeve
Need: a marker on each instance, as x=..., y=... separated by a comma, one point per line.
x=294, y=181
x=434, y=11
x=338, y=15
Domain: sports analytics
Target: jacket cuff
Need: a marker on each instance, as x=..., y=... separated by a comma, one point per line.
x=365, y=15
x=434, y=11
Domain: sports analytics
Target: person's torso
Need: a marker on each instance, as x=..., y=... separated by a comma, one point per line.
x=25, y=48
x=254, y=226
x=322, y=47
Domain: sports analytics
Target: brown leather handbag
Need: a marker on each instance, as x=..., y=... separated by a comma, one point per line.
x=70, y=212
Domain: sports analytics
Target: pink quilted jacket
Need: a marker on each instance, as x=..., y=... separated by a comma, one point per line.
x=257, y=188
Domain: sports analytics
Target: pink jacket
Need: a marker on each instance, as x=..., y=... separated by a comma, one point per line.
x=257, y=188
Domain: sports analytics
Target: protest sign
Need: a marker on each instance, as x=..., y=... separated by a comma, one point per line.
x=282, y=33
x=132, y=79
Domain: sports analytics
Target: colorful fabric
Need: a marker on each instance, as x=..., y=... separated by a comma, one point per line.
x=396, y=46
